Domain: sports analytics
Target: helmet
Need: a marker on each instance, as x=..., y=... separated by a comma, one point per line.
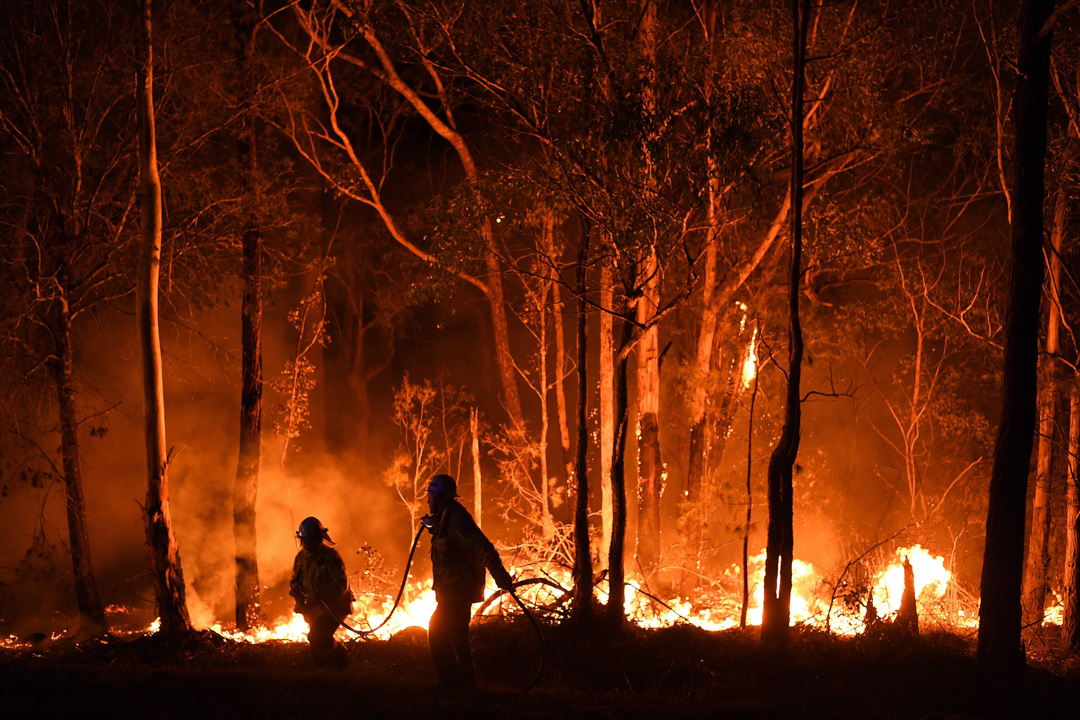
x=312, y=529
x=443, y=486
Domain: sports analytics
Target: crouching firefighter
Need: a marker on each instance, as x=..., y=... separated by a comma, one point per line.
x=320, y=586
x=459, y=554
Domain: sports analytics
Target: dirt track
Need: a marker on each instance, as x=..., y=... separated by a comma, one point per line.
x=679, y=672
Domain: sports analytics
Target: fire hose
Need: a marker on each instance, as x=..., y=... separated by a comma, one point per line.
x=401, y=591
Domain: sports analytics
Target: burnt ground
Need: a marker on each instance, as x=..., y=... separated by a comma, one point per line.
x=675, y=672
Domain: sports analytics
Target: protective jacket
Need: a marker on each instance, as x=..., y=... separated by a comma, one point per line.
x=459, y=554
x=319, y=577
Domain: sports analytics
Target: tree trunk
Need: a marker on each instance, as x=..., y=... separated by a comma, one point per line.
x=607, y=411
x=1070, y=624
x=246, y=487
x=695, y=471
x=650, y=464
x=749, y=509
x=777, y=606
x=566, y=469
x=583, y=573
x=546, y=522
x=91, y=611
x=164, y=551
x=474, y=428
x=1037, y=567
x=1000, y=652
x=616, y=572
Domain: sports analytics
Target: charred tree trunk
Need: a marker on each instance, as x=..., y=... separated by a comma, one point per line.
x=246, y=487
x=91, y=611
x=1070, y=624
x=1000, y=652
x=478, y=498
x=749, y=509
x=777, y=606
x=1037, y=566
x=616, y=571
x=583, y=572
x=164, y=551
x=607, y=410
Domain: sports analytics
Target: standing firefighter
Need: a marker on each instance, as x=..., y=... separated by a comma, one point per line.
x=320, y=587
x=459, y=554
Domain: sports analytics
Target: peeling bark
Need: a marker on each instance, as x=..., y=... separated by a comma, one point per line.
x=167, y=573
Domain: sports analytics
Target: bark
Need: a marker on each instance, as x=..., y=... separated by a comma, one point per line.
x=650, y=463
x=749, y=509
x=583, y=599
x=607, y=410
x=616, y=572
x=1070, y=624
x=1037, y=566
x=474, y=428
x=546, y=522
x=566, y=469
x=165, y=565
x=777, y=606
x=1000, y=652
x=91, y=611
x=246, y=486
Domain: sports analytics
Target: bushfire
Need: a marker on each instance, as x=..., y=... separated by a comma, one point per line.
x=837, y=605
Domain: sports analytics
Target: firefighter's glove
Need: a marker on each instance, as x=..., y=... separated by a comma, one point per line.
x=429, y=523
x=503, y=579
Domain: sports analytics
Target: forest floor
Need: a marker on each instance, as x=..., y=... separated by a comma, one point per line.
x=674, y=672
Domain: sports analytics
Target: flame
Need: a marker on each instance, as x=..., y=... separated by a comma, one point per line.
x=749, y=369
x=814, y=602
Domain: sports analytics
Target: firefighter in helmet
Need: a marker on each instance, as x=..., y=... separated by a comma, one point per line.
x=459, y=555
x=320, y=587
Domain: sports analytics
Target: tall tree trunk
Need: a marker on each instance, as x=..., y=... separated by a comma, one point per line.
x=246, y=486
x=616, y=571
x=164, y=551
x=1070, y=624
x=650, y=464
x=547, y=523
x=695, y=471
x=1037, y=567
x=749, y=509
x=566, y=469
x=776, y=611
x=583, y=573
x=1000, y=652
x=478, y=498
x=91, y=611
x=607, y=410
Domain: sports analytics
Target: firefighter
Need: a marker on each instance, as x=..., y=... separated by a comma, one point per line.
x=320, y=586
x=459, y=554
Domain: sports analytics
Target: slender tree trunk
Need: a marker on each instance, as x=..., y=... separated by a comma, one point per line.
x=1070, y=624
x=650, y=463
x=474, y=427
x=546, y=521
x=567, y=467
x=1000, y=652
x=777, y=606
x=749, y=509
x=607, y=410
x=246, y=487
x=616, y=571
x=91, y=611
x=164, y=550
x=703, y=358
x=1037, y=567
x=583, y=573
